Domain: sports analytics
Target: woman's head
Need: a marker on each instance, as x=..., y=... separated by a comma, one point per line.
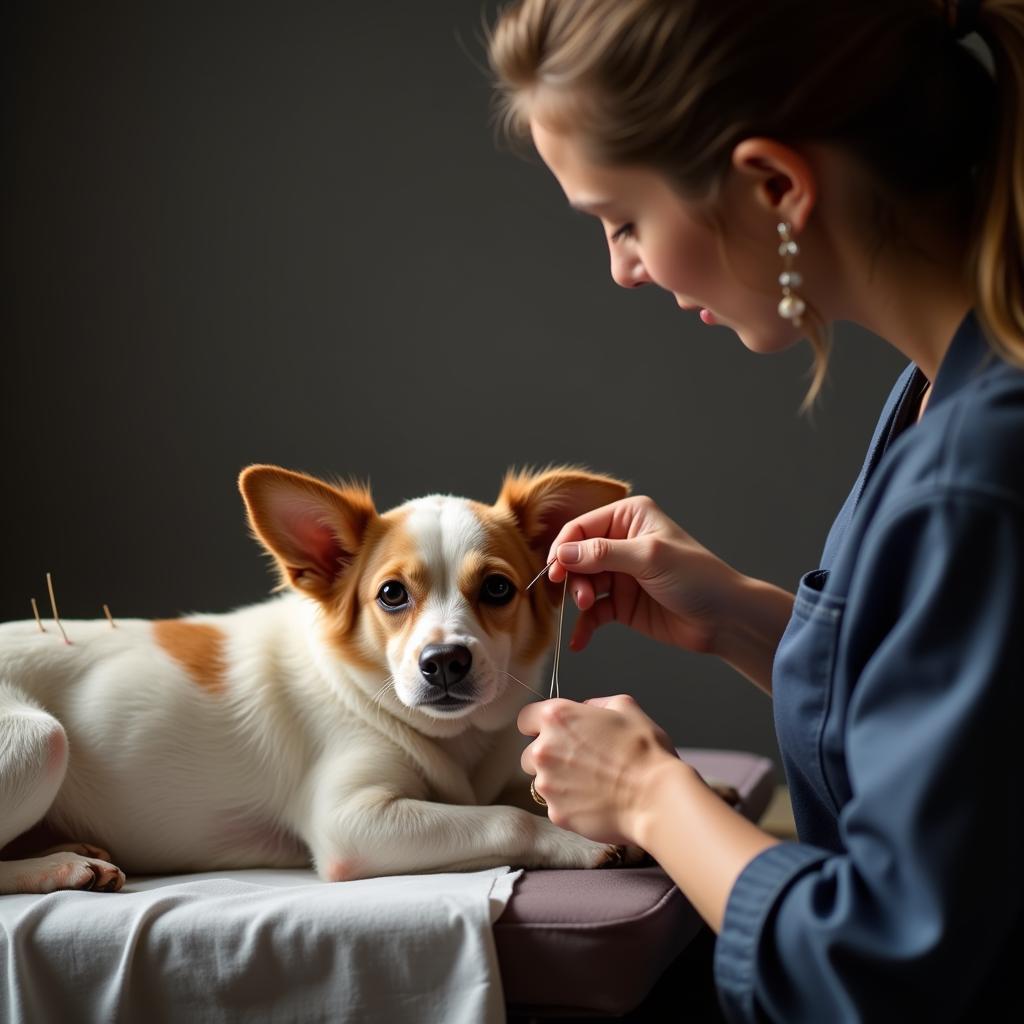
x=738, y=107
x=656, y=237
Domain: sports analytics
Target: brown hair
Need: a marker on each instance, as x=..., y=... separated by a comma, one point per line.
x=677, y=84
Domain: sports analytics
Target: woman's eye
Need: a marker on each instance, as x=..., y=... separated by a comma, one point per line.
x=624, y=232
x=497, y=590
x=392, y=595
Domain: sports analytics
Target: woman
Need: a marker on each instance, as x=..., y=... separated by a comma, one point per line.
x=782, y=166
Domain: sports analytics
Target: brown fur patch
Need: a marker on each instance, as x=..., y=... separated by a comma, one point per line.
x=397, y=557
x=357, y=628
x=475, y=568
x=506, y=547
x=471, y=571
x=197, y=646
x=341, y=626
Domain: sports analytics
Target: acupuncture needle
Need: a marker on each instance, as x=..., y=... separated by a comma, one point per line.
x=554, y=690
x=541, y=573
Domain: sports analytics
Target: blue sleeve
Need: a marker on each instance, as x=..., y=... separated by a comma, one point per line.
x=906, y=921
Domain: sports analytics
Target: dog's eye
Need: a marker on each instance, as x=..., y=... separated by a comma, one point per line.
x=497, y=590
x=392, y=595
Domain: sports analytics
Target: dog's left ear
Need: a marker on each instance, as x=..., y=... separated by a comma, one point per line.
x=312, y=529
x=543, y=503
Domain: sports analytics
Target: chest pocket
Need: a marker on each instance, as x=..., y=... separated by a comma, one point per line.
x=802, y=689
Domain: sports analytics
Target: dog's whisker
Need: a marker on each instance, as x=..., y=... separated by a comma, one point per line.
x=521, y=683
x=378, y=697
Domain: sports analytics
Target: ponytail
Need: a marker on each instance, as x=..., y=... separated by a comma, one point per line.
x=996, y=258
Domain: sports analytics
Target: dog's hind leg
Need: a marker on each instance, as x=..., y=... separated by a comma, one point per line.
x=33, y=759
x=33, y=762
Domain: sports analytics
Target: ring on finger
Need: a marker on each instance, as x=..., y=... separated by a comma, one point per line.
x=537, y=798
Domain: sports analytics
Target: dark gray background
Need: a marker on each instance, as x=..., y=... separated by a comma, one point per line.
x=283, y=232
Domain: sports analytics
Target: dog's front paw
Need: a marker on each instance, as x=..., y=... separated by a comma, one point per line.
x=559, y=848
x=624, y=857
x=82, y=849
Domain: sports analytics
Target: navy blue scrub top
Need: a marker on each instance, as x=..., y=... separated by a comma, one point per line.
x=897, y=700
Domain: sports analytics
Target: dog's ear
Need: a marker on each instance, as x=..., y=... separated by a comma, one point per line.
x=544, y=502
x=313, y=530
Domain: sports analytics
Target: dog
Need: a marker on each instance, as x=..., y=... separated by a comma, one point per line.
x=362, y=720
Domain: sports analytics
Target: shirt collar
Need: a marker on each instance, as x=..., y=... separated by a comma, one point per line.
x=967, y=353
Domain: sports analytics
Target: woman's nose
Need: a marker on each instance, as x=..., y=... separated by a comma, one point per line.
x=628, y=271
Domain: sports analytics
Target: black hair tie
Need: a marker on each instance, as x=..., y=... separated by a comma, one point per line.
x=966, y=20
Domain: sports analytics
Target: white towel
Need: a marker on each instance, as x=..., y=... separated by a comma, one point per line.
x=258, y=946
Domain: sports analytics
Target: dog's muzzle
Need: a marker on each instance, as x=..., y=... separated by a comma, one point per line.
x=445, y=668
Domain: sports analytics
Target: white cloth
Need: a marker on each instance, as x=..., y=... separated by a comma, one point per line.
x=258, y=946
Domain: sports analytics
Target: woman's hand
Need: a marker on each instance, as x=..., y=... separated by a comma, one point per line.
x=630, y=563
x=594, y=762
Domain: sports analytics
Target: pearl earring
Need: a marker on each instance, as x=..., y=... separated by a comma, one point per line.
x=792, y=306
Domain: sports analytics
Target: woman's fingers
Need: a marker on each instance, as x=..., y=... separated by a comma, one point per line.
x=598, y=522
x=540, y=713
x=585, y=590
x=626, y=704
x=619, y=520
x=581, y=633
x=618, y=702
x=599, y=614
x=581, y=590
x=615, y=600
x=602, y=554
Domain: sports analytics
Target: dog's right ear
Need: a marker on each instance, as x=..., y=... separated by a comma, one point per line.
x=312, y=529
x=544, y=502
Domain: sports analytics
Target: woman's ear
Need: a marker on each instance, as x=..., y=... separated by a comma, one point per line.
x=784, y=179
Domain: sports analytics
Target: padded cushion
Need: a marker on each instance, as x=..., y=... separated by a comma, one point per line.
x=597, y=941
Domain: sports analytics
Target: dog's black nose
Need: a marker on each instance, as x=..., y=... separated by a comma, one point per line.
x=445, y=664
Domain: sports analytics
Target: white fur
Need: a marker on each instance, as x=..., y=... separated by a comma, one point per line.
x=446, y=532
x=292, y=760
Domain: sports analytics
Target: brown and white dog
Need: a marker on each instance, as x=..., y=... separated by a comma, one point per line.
x=364, y=720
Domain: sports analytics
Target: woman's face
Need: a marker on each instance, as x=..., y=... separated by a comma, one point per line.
x=655, y=237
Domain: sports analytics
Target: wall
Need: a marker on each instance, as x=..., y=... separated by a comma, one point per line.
x=284, y=233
